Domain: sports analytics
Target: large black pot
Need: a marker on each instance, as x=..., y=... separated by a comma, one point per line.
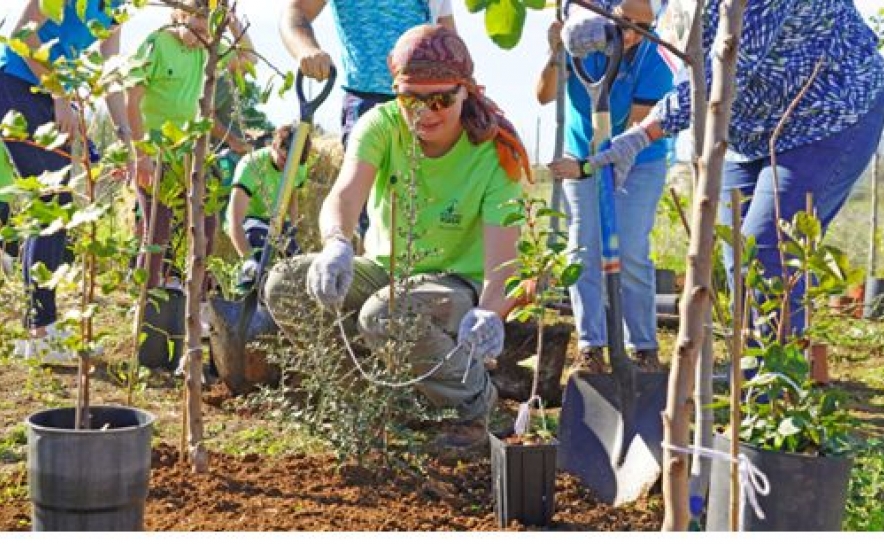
x=807, y=493
x=93, y=479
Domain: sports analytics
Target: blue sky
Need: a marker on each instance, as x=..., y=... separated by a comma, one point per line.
x=509, y=76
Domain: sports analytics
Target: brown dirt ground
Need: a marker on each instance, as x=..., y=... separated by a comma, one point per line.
x=310, y=493
x=307, y=492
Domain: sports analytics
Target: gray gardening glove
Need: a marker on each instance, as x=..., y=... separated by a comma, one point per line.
x=584, y=33
x=331, y=273
x=481, y=332
x=624, y=148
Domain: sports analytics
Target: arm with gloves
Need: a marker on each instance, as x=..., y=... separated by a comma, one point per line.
x=331, y=271
x=481, y=329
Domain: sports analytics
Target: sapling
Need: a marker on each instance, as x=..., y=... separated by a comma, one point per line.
x=544, y=273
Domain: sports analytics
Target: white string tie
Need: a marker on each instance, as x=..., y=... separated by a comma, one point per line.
x=753, y=481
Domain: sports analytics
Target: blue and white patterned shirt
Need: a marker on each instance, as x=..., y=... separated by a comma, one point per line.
x=781, y=43
x=368, y=30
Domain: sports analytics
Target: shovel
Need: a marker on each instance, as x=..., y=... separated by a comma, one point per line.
x=610, y=428
x=234, y=323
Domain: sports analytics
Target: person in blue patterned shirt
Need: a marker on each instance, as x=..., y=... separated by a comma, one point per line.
x=825, y=143
x=368, y=30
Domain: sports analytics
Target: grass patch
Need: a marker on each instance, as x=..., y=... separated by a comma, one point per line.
x=865, y=499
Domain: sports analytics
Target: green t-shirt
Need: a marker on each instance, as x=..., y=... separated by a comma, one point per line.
x=258, y=177
x=174, y=77
x=456, y=195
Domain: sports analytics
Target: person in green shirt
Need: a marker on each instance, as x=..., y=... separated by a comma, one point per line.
x=448, y=150
x=174, y=76
x=253, y=197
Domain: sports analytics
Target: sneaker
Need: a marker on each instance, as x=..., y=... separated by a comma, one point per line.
x=647, y=360
x=591, y=360
x=7, y=264
x=42, y=349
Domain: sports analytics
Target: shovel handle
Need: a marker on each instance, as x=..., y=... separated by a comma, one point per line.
x=309, y=107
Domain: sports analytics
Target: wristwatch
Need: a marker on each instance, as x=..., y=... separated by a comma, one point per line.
x=585, y=168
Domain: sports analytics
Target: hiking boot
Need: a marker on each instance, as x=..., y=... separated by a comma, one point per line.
x=591, y=360
x=463, y=435
x=647, y=360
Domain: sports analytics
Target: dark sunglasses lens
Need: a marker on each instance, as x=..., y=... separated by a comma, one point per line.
x=433, y=101
x=441, y=101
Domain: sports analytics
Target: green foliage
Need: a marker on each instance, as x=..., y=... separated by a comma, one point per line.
x=504, y=21
x=783, y=410
x=542, y=264
x=865, y=499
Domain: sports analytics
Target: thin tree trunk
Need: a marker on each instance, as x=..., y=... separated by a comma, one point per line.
x=701, y=467
x=193, y=356
x=695, y=303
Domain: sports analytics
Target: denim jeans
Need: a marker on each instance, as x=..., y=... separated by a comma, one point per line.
x=827, y=169
x=636, y=207
x=355, y=105
x=51, y=250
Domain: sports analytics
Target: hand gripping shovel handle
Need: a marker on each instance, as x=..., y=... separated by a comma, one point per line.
x=292, y=165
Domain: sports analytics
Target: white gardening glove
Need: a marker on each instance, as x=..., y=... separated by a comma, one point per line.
x=331, y=273
x=481, y=332
x=584, y=33
x=624, y=148
x=248, y=271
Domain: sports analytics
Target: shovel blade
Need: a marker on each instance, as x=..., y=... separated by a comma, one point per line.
x=618, y=460
x=232, y=325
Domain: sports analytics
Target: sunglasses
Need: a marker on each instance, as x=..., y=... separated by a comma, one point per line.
x=436, y=101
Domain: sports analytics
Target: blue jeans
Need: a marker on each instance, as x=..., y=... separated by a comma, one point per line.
x=37, y=108
x=827, y=169
x=636, y=207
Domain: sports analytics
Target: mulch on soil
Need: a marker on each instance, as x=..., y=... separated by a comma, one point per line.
x=312, y=493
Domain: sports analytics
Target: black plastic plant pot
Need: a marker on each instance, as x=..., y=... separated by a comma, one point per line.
x=93, y=479
x=873, y=305
x=164, y=329
x=807, y=493
x=524, y=482
x=664, y=279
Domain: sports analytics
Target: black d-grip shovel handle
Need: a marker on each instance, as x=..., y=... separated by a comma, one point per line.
x=293, y=161
x=309, y=107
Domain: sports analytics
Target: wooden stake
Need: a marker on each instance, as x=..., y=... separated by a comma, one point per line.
x=736, y=356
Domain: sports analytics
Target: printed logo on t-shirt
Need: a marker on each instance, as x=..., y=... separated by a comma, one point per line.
x=450, y=217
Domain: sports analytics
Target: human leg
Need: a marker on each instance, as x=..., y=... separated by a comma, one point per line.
x=30, y=160
x=827, y=170
x=584, y=236
x=438, y=302
x=636, y=211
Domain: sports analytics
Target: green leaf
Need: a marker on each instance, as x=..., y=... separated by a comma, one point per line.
x=535, y=4
x=513, y=218
x=571, y=274
x=53, y=9
x=475, y=6
x=789, y=426
x=504, y=21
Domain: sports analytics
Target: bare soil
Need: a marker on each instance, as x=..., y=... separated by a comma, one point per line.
x=249, y=490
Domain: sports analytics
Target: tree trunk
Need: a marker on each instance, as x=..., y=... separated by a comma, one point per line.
x=196, y=262
x=695, y=304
